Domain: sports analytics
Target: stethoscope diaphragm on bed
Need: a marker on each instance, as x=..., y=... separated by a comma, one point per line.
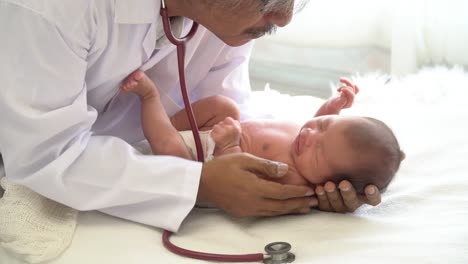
x=278, y=253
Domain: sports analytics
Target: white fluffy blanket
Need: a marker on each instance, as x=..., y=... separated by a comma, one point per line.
x=422, y=218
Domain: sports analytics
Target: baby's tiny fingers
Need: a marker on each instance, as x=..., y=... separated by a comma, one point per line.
x=347, y=82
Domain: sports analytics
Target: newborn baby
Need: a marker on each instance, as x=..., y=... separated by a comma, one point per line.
x=328, y=147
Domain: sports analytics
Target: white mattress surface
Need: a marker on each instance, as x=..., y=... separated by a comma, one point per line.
x=422, y=218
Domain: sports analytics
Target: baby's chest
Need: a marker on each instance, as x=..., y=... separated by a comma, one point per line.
x=270, y=141
x=276, y=148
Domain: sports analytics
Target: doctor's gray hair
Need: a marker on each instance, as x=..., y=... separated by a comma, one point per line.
x=265, y=6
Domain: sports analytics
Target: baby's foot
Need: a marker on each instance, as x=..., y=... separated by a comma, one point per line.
x=138, y=82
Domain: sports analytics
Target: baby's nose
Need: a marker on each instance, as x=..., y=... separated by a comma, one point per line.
x=309, y=135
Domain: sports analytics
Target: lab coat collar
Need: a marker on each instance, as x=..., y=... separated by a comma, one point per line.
x=147, y=12
x=177, y=25
x=136, y=11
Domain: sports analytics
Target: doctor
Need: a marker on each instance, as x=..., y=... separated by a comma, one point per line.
x=66, y=132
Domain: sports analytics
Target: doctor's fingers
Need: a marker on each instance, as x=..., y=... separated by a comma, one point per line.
x=276, y=191
x=350, y=197
x=323, y=205
x=372, y=195
x=334, y=197
x=273, y=207
x=330, y=200
x=259, y=166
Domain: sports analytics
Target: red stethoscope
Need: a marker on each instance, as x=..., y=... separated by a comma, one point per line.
x=277, y=252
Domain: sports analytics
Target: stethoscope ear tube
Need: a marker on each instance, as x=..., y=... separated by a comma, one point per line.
x=167, y=29
x=277, y=252
x=256, y=257
x=180, y=44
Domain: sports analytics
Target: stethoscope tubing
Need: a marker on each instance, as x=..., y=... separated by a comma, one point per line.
x=180, y=44
x=209, y=256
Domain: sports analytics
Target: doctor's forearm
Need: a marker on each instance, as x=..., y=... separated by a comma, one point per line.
x=106, y=174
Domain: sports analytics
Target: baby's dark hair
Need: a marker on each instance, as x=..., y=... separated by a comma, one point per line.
x=378, y=154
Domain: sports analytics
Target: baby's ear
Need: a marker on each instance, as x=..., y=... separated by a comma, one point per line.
x=402, y=155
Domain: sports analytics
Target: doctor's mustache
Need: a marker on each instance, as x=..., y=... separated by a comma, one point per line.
x=257, y=32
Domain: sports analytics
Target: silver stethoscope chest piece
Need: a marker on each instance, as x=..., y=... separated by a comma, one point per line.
x=278, y=253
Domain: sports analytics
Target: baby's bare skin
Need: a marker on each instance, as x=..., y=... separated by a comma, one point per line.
x=275, y=141
x=267, y=139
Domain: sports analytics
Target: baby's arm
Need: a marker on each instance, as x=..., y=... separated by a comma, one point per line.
x=226, y=135
x=344, y=99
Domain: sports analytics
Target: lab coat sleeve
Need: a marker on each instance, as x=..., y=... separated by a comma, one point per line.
x=45, y=134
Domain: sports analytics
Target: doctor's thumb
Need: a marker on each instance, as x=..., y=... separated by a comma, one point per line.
x=276, y=169
x=268, y=168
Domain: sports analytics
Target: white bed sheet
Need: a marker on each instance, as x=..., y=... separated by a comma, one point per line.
x=422, y=218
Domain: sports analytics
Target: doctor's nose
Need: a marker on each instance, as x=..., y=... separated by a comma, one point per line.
x=280, y=18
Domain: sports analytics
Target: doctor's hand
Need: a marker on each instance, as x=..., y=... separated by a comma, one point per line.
x=230, y=182
x=344, y=198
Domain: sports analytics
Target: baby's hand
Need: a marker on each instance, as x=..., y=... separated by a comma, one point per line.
x=346, y=93
x=226, y=133
x=348, y=83
x=343, y=99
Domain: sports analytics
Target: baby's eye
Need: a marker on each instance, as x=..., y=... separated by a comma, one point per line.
x=317, y=126
x=317, y=147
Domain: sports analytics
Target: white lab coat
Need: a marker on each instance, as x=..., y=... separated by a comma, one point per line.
x=65, y=130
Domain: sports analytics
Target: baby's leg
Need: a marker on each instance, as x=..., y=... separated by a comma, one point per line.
x=208, y=112
x=158, y=130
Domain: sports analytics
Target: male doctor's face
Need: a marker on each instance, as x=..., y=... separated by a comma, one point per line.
x=238, y=24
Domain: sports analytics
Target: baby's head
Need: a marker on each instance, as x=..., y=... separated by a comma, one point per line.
x=362, y=150
x=377, y=155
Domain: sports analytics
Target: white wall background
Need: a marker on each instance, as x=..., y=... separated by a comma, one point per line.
x=334, y=38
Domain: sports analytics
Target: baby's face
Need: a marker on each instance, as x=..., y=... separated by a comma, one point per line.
x=321, y=148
